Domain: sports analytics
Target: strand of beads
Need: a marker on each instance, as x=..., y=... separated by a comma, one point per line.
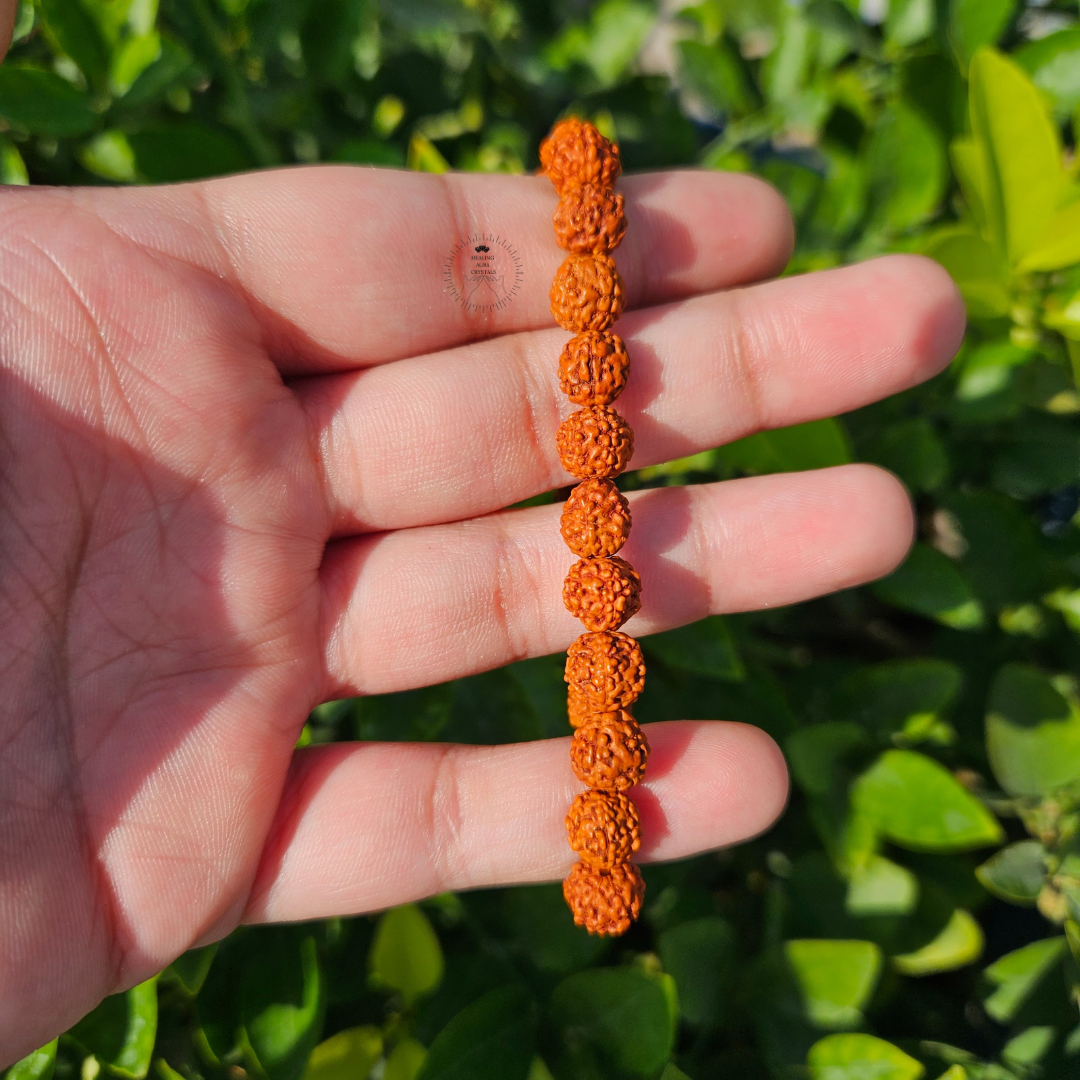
x=604, y=668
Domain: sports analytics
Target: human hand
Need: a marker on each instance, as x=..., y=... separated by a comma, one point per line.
x=254, y=458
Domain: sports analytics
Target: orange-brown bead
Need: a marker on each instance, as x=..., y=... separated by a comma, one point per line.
x=595, y=519
x=609, y=751
x=604, y=901
x=593, y=368
x=602, y=593
x=587, y=293
x=594, y=442
x=590, y=218
x=604, y=671
x=575, y=153
x=604, y=828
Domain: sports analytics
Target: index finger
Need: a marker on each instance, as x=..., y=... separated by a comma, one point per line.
x=347, y=266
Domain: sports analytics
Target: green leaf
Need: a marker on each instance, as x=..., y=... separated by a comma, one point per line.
x=132, y=58
x=917, y=803
x=282, y=1001
x=406, y=955
x=36, y=1066
x=626, y=1013
x=1021, y=149
x=975, y=23
x=192, y=967
x=886, y=697
x=715, y=76
x=929, y=583
x=493, y=1037
x=907, y=169
x=978, y=269
x=703, y=648
x=695, y=954
x=914, y=451
x=860, y=1057
x=909, y=21
x=881, y=887
x=110, y=156
x=815, y=445
x=172, y=65
x=959, y=944
x=43, y=103
x=404, y=1061
x=1040, y=454
x=1032, y=732
x=189, y=151
x=988, y=369
x=1028, y=1048
x=345, y=1056
x=1053, y=62
x=1058, y=245
x=1015, y=976
x=836, y=978
x=121, y=1031
x=815, y=752
x=72, y=30
x=12, y=166
x=1016, y=873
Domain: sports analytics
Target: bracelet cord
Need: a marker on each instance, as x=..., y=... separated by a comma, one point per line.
x=605, y=672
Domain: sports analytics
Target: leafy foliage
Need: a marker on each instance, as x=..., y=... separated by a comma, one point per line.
x=917, y=910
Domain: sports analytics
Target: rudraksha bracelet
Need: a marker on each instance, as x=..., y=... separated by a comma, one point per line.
x=605, y=672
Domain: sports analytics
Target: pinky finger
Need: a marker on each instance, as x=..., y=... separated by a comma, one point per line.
x=365, y=826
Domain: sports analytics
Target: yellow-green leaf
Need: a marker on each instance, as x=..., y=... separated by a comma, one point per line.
x=1059, y=245
x=836, y=978
x=406, y=955
x=1025, y=175
x=345, y=1056
x=860, y=1057
x=958, y=944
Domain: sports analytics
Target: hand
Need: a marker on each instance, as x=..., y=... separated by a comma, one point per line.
x=253, y=458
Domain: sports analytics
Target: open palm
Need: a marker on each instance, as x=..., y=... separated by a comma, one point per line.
x=253, y=458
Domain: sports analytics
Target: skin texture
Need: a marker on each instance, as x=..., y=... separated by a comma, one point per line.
x=252, y=458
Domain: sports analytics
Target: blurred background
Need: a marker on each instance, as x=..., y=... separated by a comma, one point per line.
x=917, y=910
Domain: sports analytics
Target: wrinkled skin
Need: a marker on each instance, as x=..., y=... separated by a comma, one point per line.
x=252, y=458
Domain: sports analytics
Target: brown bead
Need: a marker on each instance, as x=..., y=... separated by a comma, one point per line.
x=575, y=153
x=593, y=368
x=589, y=218
x=604, y=901
x=587, y=293
x=594, y=442
x=605, y=670
x=577, y=708
x=602, y=593
x=604, y=828
x=609, y=751
x=596, y=519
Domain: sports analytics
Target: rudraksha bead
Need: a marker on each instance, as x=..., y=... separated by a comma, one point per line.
x=577, y=707
x=575, y=153
x=605, y=670
x=587, y=293
x=604, y=828
x=596, y=519
x=593, y=367
x=594, y=442
x=604, y=901
x=602, y=593
x=590, y=218
x=609, y=751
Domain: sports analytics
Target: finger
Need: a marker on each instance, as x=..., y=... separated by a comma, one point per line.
x=7, y=23
x=366, y=826
x=472, y=430
x=424, y=605
x=345, y=266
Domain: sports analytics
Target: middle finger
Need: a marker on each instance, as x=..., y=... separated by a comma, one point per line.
x=467, y=431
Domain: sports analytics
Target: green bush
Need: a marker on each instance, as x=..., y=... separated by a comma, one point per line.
x=917, y=910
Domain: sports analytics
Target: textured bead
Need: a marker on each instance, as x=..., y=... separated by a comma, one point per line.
x=593, y=368
x=609, y=751
x=589, y=218
x=594, y=442
x=604, y=901
x=575, y=153
x=595, y=519
x=604, y=828
x=587, y=293
x=605, y=670
x=602, y=593
x=577, y=707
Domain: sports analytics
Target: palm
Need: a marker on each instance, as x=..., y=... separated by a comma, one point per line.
x=241, y=478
